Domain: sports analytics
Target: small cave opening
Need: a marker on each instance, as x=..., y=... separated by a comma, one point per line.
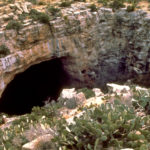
x=33, y=86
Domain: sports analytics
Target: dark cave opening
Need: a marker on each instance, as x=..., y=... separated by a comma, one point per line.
x=33, y=86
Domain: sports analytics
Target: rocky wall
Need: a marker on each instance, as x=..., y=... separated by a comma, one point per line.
x=99, y=47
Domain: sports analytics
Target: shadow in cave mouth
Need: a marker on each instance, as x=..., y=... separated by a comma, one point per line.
x=33, y=86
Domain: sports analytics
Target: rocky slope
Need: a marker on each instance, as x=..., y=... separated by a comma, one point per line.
x=120, y=113
x=97, y=47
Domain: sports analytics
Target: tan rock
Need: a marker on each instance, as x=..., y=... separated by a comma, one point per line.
x=7, y=10
x=98, y=92
x=18, y=12
x=1, y=19
x=26, y=24
x=24, y=7
x=11, y=14
x=93, y=101
x=28, y=4
x=34, y=145
x=12, y=6
x=118, y=88
x=18, y=7
x=1, y=10
x=5, y=17
x=15, y=17
x=68, y=93
x=80, y=98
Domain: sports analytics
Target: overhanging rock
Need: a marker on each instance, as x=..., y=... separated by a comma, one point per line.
x=100, y=47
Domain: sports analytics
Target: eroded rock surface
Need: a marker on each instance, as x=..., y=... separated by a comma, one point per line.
x=99, y=47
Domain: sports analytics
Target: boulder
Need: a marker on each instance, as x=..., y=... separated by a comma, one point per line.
x=35, y=144
x=25, y=7
x=18, y=6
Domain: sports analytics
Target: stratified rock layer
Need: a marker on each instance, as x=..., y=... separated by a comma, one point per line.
x=99, y=47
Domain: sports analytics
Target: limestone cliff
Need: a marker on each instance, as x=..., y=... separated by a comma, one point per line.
x=97, y=47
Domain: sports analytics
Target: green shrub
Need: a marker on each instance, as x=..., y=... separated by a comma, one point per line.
x=11, y=1
x=103, y=127
x=41, y=3
x=79, y=0
x=14, y=25
x=116, y=4
x=104, y=2
x=44, y=18
x=93, y=7
x=39, y=16
x=66, y=19
x=139, y=7
x=130, y=8
x=4, y=50
x=87, y=92
x=65, y=4
x=141, y=100
x=32, y=1
x=53, y=10
x=109, y=125
x=71, y=103
x=14, y=137
x=23, y=16
x=46, y=146
x=34, y=14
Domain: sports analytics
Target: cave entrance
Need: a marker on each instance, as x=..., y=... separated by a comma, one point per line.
x=33, y=87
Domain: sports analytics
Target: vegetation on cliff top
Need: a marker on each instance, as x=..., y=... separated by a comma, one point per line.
x=4, y=50
x=39, y=16
x=14, y=25
x=44, y=11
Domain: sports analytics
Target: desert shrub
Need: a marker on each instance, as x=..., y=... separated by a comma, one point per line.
x=41, y=3
x=71, y=103
x=104, y=2
x=39, y=16
x=130, y=8
x=4, y=50
x=23, y=16
x=44, y=18
x=53, y=10
x=34, y=14
x=14, y=137
x=32, y=1
x=116, y=4
x=87, y=92
x=141, y=99
x=66, y=19
x=93, y=7
x=14, y=25
x=65, y=4
x=79, y=0
x=11, y=1
x=102, y=127
x=46, y=146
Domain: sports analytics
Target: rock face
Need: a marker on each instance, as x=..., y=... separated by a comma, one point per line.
x=96, y=47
